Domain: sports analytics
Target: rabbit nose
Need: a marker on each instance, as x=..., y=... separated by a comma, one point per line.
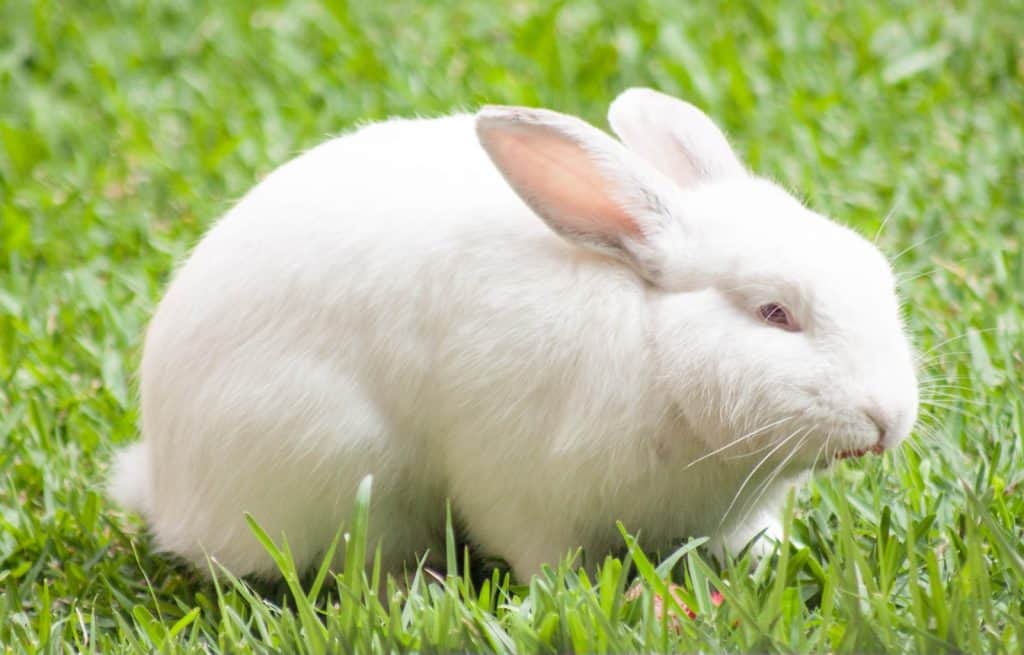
x=886, y=420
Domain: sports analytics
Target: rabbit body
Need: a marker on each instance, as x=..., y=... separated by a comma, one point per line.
x=389, y=304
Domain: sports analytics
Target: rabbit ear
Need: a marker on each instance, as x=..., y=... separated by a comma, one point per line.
x=583, y=183
x=676, y=137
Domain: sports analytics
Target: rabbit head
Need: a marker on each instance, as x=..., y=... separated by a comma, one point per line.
x=774, y=329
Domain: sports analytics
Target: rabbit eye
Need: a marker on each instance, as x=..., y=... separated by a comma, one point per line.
x=776, y=314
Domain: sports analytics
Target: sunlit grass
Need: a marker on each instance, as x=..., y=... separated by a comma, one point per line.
x=126, y=128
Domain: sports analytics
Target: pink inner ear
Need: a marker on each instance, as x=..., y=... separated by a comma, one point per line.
x=560, y=180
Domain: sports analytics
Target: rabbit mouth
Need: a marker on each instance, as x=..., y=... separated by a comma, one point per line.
x=877, y=449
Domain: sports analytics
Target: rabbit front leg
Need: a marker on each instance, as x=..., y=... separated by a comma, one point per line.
x=526, y=540
x=764, y=526
x=528, y=555
x=763, y=523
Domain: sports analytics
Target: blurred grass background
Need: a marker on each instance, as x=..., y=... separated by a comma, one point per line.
x=127, y=127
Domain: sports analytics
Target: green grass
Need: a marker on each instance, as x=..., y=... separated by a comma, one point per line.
x=127, y=127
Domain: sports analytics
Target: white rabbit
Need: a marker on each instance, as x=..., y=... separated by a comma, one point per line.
x=514, y=311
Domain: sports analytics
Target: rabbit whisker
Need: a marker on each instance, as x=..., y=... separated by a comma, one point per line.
x=766, y=484
x=753, y=472
x=745, y=437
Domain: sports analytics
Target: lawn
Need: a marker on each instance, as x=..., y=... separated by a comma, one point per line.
x=127, y=127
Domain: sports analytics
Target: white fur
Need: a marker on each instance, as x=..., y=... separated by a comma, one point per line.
x=386, y=303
